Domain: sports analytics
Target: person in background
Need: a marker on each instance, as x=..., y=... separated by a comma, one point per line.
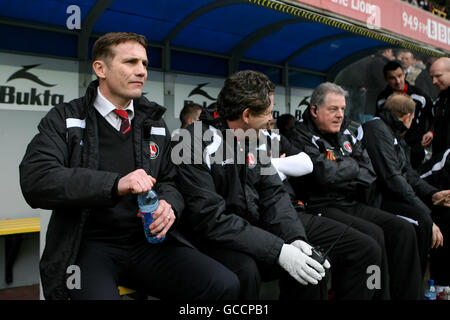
x=439, y=137
x=416, y=73
x=285, y=123
x=395, y=78
x=190, y=113
x=270, y=124
x=436, y=171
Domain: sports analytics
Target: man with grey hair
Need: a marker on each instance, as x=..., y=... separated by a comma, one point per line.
x=341, y=187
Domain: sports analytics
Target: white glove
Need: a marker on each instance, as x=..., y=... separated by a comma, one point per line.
x=293, y=166
x=301, y=267
x=306, y=249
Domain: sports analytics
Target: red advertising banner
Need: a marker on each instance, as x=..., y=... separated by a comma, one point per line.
x=396, y=16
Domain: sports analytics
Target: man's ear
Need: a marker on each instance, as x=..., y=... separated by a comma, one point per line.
x=99, y=68
x=246, y=115
x=405, y=118
x=314, y=111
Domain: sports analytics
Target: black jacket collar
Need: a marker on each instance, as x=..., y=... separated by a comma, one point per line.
x=211, y=117
x=445, y=93
x=393, y=122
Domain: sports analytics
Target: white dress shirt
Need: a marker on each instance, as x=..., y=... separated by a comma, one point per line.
x=106, y=108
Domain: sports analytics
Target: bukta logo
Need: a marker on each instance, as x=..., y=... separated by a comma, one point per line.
x=199, y=91
x=12, y=95
x=24, y=74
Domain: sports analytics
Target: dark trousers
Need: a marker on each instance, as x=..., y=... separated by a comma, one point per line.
x=424, y=229
x=166, y=270
x=405, y=280
x=349, y=259
x=440, y=257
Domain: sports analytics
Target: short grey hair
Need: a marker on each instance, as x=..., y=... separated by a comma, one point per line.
x=319, y=94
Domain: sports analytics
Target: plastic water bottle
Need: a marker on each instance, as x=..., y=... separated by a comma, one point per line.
x=148, y=203
x=430, y=292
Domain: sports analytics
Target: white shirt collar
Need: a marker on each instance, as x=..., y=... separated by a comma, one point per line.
x=104, y=106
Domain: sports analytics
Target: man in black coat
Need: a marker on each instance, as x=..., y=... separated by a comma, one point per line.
x=404, y=192
x=436, y=171
x=394, y=75
x=439, y=137
x=240, y=214
x=341, y=185
x=89, y=161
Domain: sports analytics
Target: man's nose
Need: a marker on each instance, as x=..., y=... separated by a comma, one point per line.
x=141, y=70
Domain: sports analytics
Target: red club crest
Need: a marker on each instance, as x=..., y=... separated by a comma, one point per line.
x=154, y=150
x=251, y=160
x=348, y=146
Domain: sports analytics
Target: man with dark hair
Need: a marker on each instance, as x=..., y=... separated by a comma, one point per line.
x=285, y=123
x=89, y=161
x=394, y=75
x=240, y=214
x=404, y=192
x=190, y=113
x=340, y=185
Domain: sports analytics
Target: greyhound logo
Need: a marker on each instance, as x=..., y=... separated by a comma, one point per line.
x=154, y=150
x=24, y=74
x=305, y=102
x=198, y=90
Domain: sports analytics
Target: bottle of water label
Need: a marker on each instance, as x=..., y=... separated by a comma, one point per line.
x=430, y=291
x=148, y=203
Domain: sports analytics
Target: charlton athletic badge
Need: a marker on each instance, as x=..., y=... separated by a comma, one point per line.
x=154, y=150
x=348, y=146
x=251, y=160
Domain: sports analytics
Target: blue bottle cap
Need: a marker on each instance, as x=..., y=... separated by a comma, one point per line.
x=148, y=202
